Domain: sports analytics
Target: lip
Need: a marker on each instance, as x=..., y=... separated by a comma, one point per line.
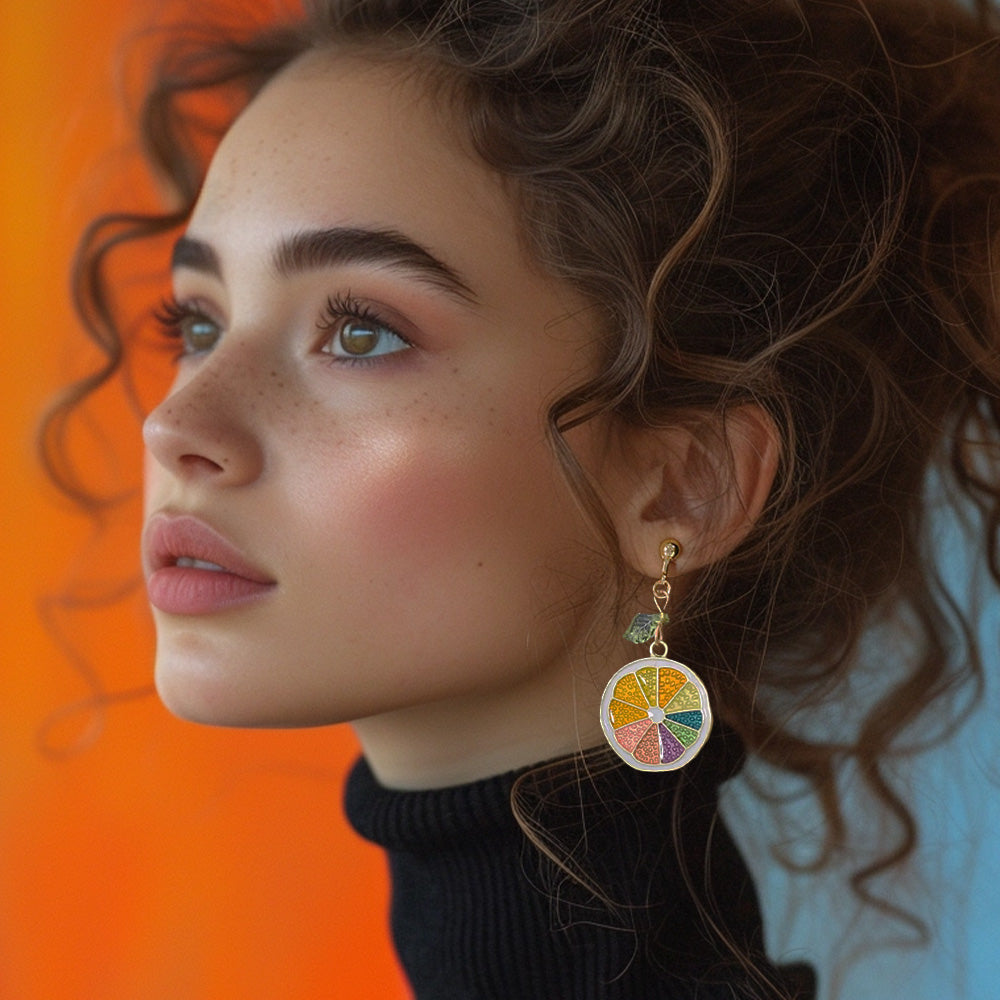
x=197, y=590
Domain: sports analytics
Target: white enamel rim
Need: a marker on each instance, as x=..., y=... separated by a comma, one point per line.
x=689, y=752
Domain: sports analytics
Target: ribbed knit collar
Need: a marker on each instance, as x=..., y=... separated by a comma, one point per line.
x=433, y=820
x=479, y=914
x=423, y=820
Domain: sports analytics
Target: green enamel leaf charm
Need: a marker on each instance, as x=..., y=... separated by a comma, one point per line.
x=643, y=627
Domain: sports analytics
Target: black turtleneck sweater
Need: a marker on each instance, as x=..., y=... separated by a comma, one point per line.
x=479, y=913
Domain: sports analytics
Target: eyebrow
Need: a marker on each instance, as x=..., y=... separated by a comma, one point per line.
x=313, y=249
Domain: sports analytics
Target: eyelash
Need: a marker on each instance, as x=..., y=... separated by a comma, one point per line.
x=169, y=314
x=172, y=314
x=344, y=308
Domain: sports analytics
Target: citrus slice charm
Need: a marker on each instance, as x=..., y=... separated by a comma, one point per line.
x=655, y=714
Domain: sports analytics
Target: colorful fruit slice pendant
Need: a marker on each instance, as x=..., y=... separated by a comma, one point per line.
x=655, y=714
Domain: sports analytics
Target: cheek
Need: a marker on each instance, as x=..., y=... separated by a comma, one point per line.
x=419, y=508
x=405, y=497
x=440, y=498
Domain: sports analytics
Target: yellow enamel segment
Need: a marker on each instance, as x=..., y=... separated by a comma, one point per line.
x=671, y=681
x=627, y=689
x=621, y=714
x=686, y=700
x=647, y=681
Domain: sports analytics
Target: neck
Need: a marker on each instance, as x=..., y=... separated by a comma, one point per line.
x=545, y=715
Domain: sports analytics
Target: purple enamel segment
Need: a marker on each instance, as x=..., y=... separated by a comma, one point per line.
x=670, y=747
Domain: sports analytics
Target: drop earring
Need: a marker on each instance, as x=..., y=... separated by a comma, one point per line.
x=655, y=711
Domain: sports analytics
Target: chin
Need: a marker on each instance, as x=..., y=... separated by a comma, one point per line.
x=211, y=701
x=198, y=695
x=197, y=702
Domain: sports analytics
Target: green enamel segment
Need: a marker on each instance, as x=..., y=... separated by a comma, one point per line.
x=685, y=735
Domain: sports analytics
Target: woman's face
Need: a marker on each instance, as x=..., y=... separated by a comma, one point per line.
x=356, y=437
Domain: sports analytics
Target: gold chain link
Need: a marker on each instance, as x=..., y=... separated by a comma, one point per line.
x=669, y=551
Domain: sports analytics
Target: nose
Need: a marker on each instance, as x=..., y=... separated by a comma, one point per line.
x=205, y=429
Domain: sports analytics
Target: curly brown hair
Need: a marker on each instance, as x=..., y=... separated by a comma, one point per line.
x=785, y=202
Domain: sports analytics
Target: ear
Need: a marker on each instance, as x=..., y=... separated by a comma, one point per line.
x=703, y=481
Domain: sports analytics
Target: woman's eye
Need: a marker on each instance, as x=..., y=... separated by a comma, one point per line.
x=363, y=338
x=198, y=334
x=188, y=324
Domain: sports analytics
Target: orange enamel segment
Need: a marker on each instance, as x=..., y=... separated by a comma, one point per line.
x=647, y=681
x=621, y=713
x=627, y=689
x=686, y=700
x=671, y=681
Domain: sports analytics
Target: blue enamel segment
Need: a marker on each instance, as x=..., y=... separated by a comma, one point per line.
x=693, y=720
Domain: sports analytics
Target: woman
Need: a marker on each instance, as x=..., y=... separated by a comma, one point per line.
x=489, y=316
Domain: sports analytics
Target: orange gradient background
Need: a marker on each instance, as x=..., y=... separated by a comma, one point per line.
x=141, y=858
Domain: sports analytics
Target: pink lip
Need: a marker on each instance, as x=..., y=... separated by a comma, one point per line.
x=191, y=590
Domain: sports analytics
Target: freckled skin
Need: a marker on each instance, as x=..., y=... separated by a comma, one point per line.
x=432, y=568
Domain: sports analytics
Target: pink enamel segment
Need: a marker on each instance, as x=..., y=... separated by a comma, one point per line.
x=628, y=736
x=647, y=750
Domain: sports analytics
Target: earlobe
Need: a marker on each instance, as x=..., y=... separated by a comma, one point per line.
x=704, y=480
